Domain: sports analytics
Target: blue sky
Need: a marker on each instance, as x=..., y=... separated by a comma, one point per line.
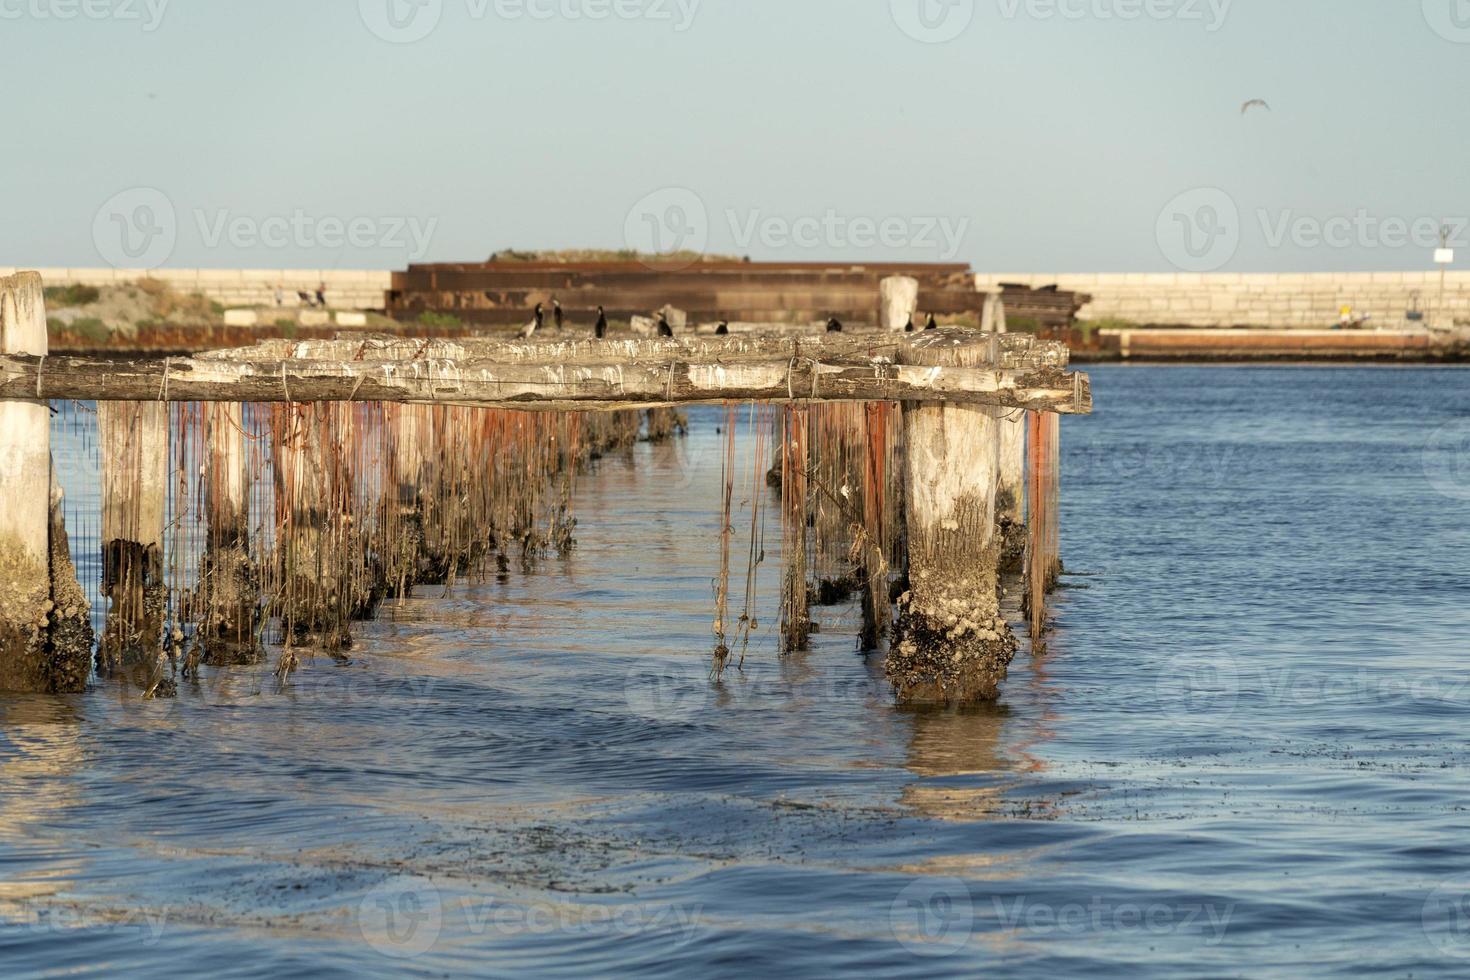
x=1045, y=136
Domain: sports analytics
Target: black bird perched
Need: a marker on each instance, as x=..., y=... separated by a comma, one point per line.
x=536, y=323
x=910, y=327
x=601, y=329
x=834, y=325
x=723, y=330
x=933, y=324
x=557, y=314
x=664, y=330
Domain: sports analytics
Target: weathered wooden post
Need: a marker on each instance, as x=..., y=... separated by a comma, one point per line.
x=877, y=596
x=898, y=300
x=665, y=423
x=1043, y=479
x=408, y=560
x=1010, y=491
x=229, y=579
x=70, y=661
x=45, y=633
x=951, y=644
x=313, y=601
x=361, y=577
x=25, y=498
x=133, y=439
x=796, y=622
x=993, y=315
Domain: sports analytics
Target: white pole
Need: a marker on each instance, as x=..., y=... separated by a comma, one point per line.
x=25, y=497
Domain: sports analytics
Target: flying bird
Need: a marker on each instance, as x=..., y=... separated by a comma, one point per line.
x=536, y=323
x=664, y=330
x=834, y=325
x=601, y=328
x=1255, y=104
x=557, y=314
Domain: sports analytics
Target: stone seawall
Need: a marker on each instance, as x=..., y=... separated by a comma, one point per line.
x=346, y=289
x=1146, y=299
x=1278, y=301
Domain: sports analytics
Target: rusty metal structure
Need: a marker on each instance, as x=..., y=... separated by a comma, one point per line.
x=500, y=293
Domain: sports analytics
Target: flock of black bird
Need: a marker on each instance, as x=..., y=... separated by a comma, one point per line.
x=665, y=329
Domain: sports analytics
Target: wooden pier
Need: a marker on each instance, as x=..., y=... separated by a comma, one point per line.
x=330, y=476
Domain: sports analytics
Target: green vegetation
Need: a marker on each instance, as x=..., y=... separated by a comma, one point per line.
x=74, y=295
x=88, y=328
x=1023, y=324
x=91, y=329
x=443, y=321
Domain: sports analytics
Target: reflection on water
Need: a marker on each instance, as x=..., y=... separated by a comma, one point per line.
x=962, y=755
x=1213, y=770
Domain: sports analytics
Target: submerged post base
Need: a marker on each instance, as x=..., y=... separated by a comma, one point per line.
x=45, y=618
x=132, y=579
x=951, y=645
x=1012, y=536
x=69, y=653
x=232, y=607
x=22, y=622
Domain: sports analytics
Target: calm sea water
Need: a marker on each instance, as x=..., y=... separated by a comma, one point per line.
x=1242, y=754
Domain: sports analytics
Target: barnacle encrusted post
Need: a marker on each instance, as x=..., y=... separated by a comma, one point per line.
x=45, y=630
x=951, y=645
x=134, y=439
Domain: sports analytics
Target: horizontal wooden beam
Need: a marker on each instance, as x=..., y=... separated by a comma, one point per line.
x=1006, y=352
x=542, y=386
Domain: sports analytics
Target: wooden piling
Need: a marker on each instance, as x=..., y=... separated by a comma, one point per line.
x=1010, y=491
x=872, y=552
x=229, y=579
x=993, y=315
x=951, y=644
x=664, y=423
x=898, y=301
x=313, y=599
x=133, y=437
x=42, y=614
x=796, y=623
x=70, y=660
x=1043, y=484
x=415, y=557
